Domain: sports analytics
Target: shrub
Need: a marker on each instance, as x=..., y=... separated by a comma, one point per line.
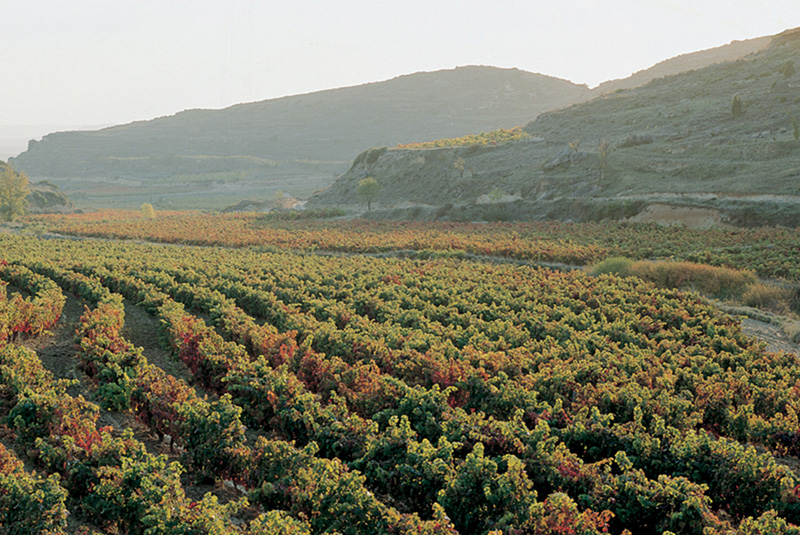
x=792, y=330
x=618, y=265
x=634, y=140
x=794, y=299
x=767, y=297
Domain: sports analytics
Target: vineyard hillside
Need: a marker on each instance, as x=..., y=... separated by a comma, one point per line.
x=724, y=138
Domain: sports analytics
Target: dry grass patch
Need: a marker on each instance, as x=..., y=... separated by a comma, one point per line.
x=719, y=282
x=723, y=283
x=767, y=297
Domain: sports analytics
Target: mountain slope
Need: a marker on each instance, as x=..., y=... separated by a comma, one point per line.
x=673, y=140
x=687, y=62
x=312, y=135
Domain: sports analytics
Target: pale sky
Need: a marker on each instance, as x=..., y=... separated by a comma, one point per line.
x=101, y=62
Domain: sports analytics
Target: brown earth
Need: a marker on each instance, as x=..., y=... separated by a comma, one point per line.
x=773, y=336
x=664, y=214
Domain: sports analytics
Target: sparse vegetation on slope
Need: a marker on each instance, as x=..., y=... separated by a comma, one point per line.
x=494, y=137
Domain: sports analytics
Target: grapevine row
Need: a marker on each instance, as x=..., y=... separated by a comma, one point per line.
x=770, y=252
x=27, y=316
x=212, y=433
x=217, y=361
x=111, y=480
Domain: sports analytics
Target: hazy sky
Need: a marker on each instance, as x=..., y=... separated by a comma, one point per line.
x=86, y=62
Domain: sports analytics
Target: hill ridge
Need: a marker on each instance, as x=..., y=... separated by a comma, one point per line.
x=295, y=143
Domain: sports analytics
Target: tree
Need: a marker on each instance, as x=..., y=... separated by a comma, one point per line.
x=14, y=190
x=737, y=109
x=788, y=69
x=602, y=150
x=368, y=189
x=459, y=165
x=148, y=212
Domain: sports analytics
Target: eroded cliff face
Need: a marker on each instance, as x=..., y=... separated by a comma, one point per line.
x=477, y=174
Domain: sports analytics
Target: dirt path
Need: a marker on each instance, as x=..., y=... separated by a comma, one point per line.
x=143, y=330
x=58, y=352
x=772, y=335
x=56, y=348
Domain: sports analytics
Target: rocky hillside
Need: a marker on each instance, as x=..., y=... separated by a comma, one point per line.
x=298, y=144
x=726, y=137
x=46, y=198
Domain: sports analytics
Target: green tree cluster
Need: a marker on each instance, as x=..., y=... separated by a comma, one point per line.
x=14, y=190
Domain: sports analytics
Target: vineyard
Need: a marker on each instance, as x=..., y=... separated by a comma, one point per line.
x=406, y=381
x=769, y=252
